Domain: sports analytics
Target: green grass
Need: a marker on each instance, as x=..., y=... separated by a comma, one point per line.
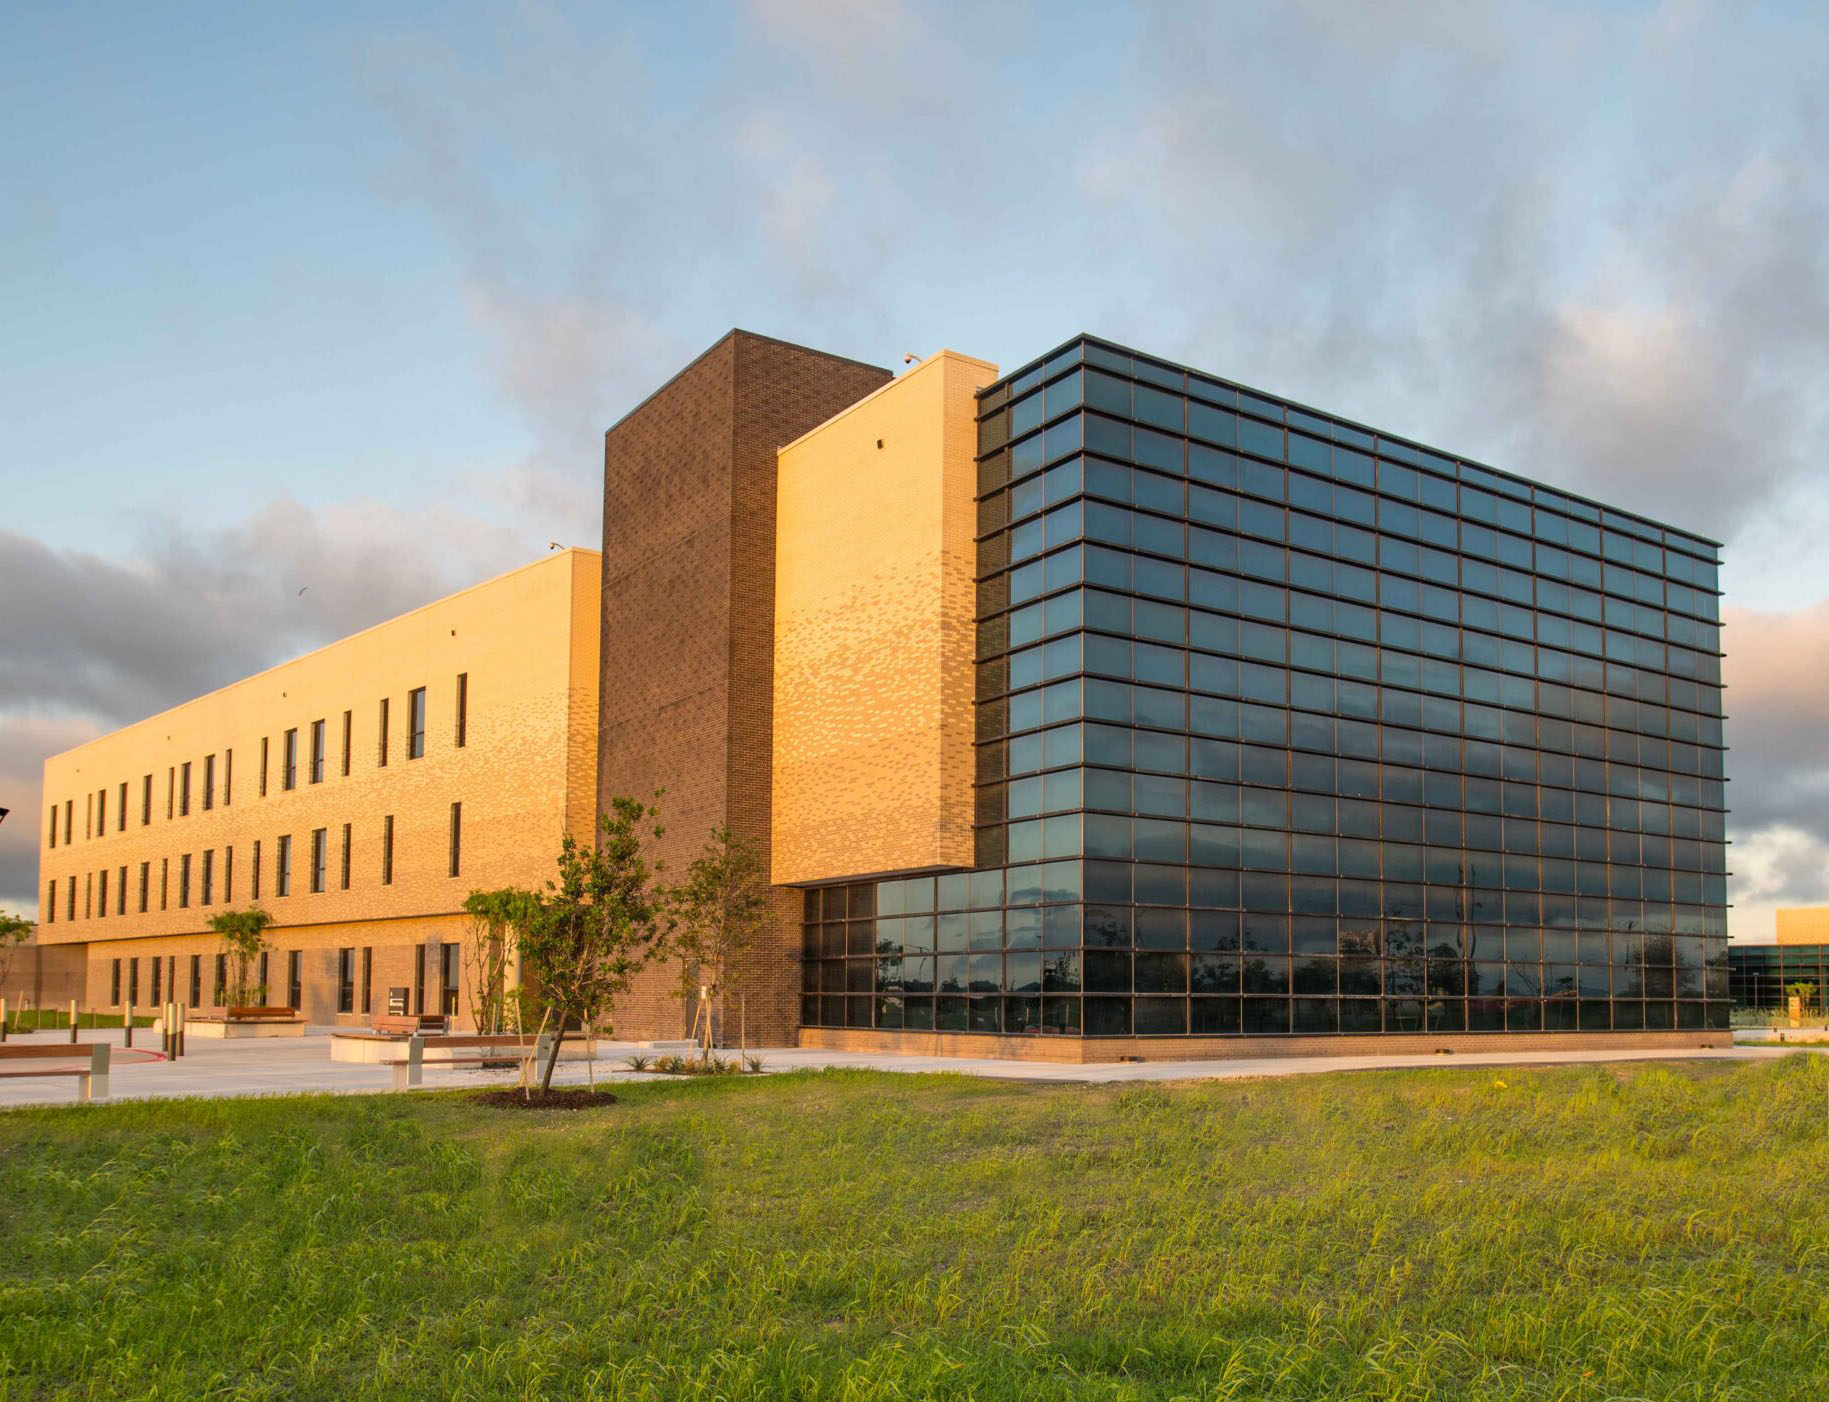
x=1643, y=1231
x=58, y=1019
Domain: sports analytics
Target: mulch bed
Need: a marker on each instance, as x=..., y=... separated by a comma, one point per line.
x=559, y=1098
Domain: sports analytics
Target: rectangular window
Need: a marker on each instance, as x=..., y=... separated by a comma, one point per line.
x=419, y=978
x=70, y=901
x=348, y=730
x=294, y=991
x=146, y=800
x=171, y=792
x=228, y=876
x=264, y=984
x=254, y=873
x=221, y=991
x=263, y=766
x=450, y=964
x=457, y=836
x=53, y=827
x=208, y=883
x=158, y=981
x=387, y=850
x=120, y=900
x=120, y=817
x=346, y=980
x=282, y=868
x=103, y=912
x=209, y=782
x=69, y=815
x=101, y=812
x=184, y=881
x=415, y=723
x=196, y=998
x=164, y=883
x=228, y=774
x=346, y=828
x=145, y=887
x=381, y=740
x=317, y=751
x=88, y=895
x=50, y=904
x=184, y=789
x=133, y=983
x=288, y=760
x=463, y=708
x=114, y=983
x=88, y=816
x=368, y=976
x=320, y=840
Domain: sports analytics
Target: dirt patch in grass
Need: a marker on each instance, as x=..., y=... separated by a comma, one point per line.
x=560, y=1098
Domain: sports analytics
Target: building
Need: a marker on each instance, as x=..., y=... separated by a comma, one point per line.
x=1761, y=975
x=1114, y=709
x=358, y=794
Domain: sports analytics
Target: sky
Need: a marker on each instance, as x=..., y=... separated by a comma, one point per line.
x=340, y=297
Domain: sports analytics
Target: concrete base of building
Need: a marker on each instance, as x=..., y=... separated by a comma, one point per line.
x=1106, y=1049
x=224, y=1029
x=373, y=1048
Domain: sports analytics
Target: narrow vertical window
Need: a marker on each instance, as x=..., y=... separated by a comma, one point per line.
x=320, y=839
x=415, y=723
x=53, y=827
x=346, y=828
x=463, y=708
x=50, y=904
x=263, y=766
x=254, y=872
x=120, y=818
x=88, y=816
x=114, y=983
x=381, y=740
x=101, y=812
x=346, y=980
x=196, y=998
x=220, y=994
x=282, y=868
x=133, y=983
x=69, y=813
x=145, y=887
x=457, y=837
x=164, y=883
x=317, y=751
x=294, y=993
x=120, y=886
x=102, y=912
x=184, y=789
x=88, y=895
x=171, y=792
x=228, y=876
x=288, y=760
x=209, y=782
x=368, y=976
x=146, y=800
x=228, y=775
x=70, y=901
x=208, y=876
x=158, y=982
x=264, y=985
x=184, y=881
x=419, y=978
x=387, y=850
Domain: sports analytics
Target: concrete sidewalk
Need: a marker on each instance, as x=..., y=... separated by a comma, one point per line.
x=302, y=1065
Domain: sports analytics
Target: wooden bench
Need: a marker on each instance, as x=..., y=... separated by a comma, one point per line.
x=92, y=1080
x=412, y=1024
x=409, y=1071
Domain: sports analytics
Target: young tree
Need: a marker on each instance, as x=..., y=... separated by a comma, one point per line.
x=721, y=908
x=497, y=919
x=601, y=922
x=244, y=936
x=15, y=930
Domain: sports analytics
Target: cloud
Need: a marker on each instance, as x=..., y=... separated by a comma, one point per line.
x=88, y=644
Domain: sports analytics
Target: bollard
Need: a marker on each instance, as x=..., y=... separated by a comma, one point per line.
x=180, y=1029
x=98, y=1071
x=2, y=1019
x=127, y=1022
x=73, y=1022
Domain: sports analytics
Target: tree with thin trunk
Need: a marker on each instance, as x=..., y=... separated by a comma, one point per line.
x=721, y=909
x=598, y=924
x=15, y=930
x=244, y=936
x=497, y=919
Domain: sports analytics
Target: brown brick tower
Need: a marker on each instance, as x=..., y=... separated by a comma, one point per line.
x=688, y=625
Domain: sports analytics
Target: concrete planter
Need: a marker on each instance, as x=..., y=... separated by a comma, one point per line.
x=227, y=1028
x=376, y=1047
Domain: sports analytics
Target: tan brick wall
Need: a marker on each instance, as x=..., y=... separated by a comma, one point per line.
x=874, y=632
x=1107, y=1049
x=527, y=642
x=688, y=624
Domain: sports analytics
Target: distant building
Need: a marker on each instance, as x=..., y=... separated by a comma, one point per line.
x=1762, y=974
x=358, y=794
x=1804, y=925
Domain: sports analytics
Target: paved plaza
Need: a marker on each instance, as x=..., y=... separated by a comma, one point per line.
x=302, y=1066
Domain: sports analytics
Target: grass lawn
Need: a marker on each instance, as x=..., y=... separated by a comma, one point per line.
x=1642, y=1231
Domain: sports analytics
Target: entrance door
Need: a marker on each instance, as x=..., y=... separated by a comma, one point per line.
x=448, y=979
